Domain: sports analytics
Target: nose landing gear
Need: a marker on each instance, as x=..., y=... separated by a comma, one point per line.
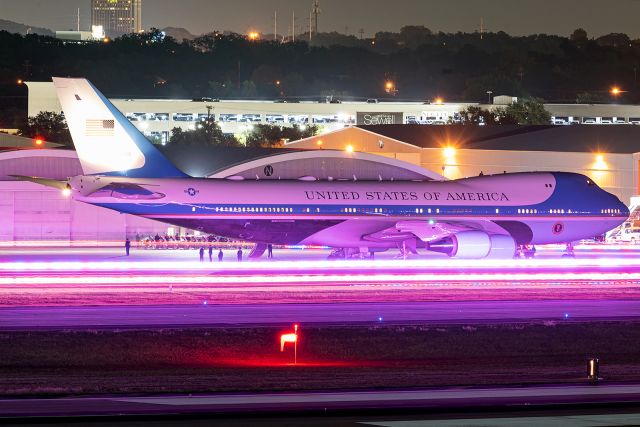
x=569, y=252
x=527, y=251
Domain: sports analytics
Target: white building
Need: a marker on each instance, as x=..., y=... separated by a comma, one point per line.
x=156, y=117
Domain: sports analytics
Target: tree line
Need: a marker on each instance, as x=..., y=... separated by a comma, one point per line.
x=52, y=127
x=422, y=64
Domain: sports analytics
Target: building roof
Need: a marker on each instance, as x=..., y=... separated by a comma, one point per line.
x=570, y=138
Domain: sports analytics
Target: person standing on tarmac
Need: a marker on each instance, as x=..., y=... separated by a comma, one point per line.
x=220, y=255
x=127, y=246
x=201, y=253
x=269, y=250
x=210, y=253
x=239, y=254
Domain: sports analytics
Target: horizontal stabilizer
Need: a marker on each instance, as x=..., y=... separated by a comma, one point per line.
x=126, y=190
x=53, y=183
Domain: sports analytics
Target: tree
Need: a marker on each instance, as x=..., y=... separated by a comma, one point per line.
x=614, y=40
x=207, y=132
x=275, y=136
x=474, y=115
x=579, y=37
x=48, y=126
x=413, y=36
x=529, y=111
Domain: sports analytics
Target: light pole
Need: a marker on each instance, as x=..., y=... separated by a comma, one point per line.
x=489, y=92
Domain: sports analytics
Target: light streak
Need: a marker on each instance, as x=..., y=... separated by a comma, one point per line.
x=321, y=278
x=285, y=266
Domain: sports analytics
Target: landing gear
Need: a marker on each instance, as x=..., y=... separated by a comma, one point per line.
x=527, y=251
x=569, y=252
x=352, y=253
x=407, y=247
x=337, y=253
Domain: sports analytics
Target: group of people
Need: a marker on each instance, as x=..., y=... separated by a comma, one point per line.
x=220, y=254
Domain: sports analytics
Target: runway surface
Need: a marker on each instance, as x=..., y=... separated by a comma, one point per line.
x=325, y=401
x=18, y=318
x=101, y=288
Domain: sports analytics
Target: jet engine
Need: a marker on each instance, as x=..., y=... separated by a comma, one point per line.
x=475, y=244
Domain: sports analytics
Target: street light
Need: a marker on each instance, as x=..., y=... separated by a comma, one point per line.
x=600, y=163
x=489, y=92
x=390, y=87
x=449, y=153
x=253, y=35
x=438, y=101
x=616, y=91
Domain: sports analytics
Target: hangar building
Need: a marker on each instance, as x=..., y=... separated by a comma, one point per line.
x=610, y=155
x=34, y=215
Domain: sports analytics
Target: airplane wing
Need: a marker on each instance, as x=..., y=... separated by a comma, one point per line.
x=428, y=231
x=462, y=239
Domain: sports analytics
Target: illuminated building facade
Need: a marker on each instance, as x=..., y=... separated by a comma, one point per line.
x=117, y=17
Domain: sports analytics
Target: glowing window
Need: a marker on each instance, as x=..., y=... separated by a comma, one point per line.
x=497, y=210
x=438, y=210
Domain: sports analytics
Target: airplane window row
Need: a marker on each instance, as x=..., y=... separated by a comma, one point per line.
x=366, y=210
x=251, y=209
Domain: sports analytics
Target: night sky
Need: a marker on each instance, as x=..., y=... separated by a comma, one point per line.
x=515, y=17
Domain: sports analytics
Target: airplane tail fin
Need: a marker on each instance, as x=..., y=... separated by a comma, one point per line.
x=106, y=142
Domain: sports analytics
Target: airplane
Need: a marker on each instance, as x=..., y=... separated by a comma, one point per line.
x=487, y=216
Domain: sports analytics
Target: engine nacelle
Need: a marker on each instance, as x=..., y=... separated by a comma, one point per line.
x=502, y=247
x=475, y=244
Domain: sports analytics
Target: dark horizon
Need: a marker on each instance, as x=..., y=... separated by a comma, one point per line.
x=515, y=17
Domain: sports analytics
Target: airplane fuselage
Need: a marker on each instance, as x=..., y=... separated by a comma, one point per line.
x=534, y=208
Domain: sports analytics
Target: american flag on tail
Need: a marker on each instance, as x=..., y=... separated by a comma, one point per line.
x=99, y=127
